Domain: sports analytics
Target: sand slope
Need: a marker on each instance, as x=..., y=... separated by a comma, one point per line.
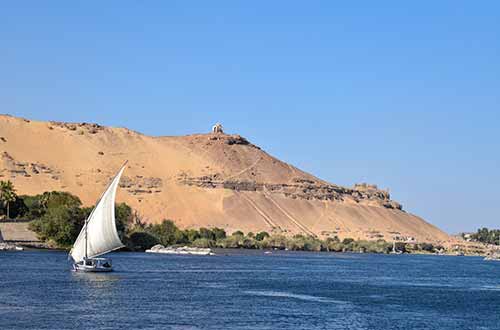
x=198, y=180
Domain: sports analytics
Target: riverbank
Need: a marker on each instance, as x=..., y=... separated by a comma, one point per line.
x=141, y=237
x=56, y=218
x=191, y=250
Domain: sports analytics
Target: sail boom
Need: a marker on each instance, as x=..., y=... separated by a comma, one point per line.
x=105, y=252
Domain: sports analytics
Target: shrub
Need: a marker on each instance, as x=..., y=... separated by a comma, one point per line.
x=180, y=237
x=60, y=225
x=261, y=236
x=166, y=232
x=123, y=216
x=17, y=208
x=335, y=246
x=38, y=205
x=140, y=241
x=276, y=242
x=379, y=246
x=219, y=233
x=403, y=247
x=34, y=207
x=426, y=247
x=231, y=242
x=249, y=243
x=56, y=199
x=203, y=243
x=347, y=241
x=333, y=239
x=192, y=234
x=207, y=233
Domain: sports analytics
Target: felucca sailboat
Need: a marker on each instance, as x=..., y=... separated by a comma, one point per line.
x=99, y=235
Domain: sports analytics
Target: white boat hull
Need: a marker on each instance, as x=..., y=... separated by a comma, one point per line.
x=95, y=265
x=180, y=250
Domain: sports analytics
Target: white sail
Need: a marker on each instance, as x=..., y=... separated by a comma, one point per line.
x=99, y=233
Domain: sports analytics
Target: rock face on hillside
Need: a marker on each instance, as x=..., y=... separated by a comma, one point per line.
x=301, y=189
x=199, y=180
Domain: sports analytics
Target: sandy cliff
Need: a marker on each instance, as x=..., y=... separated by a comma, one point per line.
x=198, y=180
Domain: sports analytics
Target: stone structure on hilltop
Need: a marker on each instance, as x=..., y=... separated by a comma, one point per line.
x=217, y=128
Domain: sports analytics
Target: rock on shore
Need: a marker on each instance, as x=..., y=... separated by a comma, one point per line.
x=495, y=255
x=10, y=247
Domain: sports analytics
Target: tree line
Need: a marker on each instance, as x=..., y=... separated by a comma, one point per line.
x=58, y=217
x=487, y=236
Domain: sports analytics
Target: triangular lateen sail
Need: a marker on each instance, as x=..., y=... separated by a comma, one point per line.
x=100, y=228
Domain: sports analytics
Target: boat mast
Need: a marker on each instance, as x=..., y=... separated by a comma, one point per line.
x=85, y=240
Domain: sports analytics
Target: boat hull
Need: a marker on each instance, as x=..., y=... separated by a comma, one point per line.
x=96, y=265
x=180, y=250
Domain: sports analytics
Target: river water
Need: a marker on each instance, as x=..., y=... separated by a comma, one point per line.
x=251, y=290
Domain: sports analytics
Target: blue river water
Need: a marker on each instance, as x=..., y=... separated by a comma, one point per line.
x=251, y=290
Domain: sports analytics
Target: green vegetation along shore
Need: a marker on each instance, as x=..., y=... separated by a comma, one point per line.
x=57, y=218
x=484, y=235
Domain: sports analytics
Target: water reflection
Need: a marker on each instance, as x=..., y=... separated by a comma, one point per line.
x=96, y=280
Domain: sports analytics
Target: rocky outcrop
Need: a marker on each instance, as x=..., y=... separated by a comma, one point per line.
x=232, y=140
x=141, y=185
x=300, y=189
x=82, y=128
x=493, y=256
x=12, y=168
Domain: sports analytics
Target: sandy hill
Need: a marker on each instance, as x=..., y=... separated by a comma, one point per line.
x=198, y=180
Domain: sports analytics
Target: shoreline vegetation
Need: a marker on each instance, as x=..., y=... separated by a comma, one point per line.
x=57, y=218
x=484, y=235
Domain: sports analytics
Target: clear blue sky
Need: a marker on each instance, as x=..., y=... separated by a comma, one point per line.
x=402, y=95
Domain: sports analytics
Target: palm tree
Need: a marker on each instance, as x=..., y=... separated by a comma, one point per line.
x=7, y=194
